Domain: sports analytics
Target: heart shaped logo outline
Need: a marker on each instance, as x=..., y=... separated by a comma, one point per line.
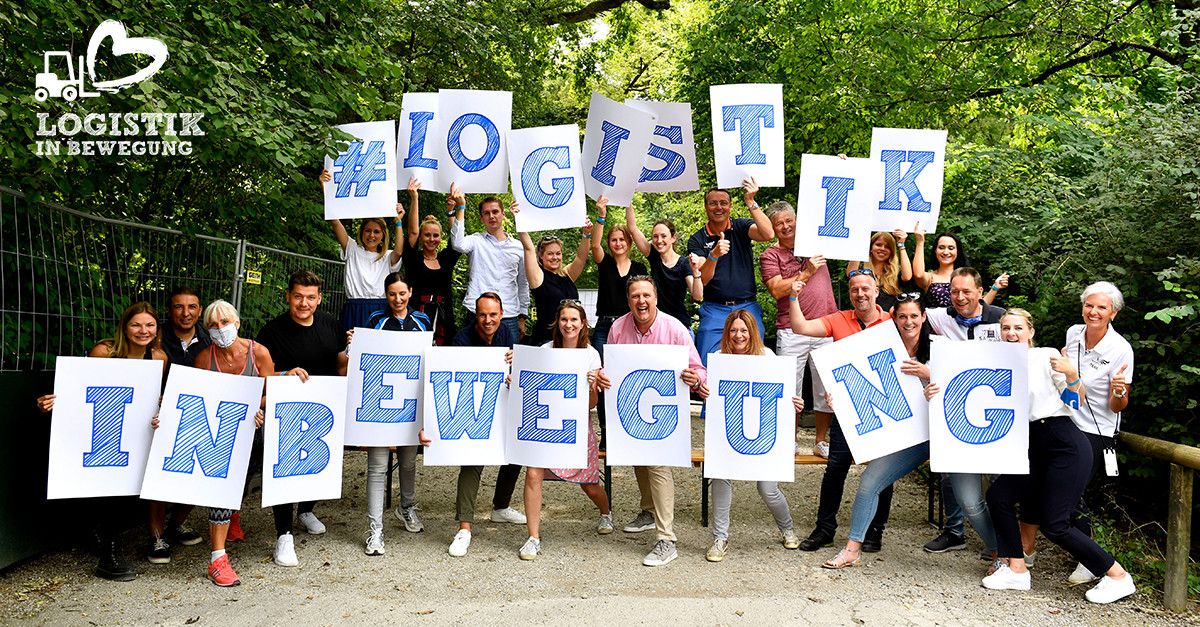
x=122, y=45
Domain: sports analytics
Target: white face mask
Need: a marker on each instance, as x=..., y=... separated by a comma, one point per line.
x=225, y=336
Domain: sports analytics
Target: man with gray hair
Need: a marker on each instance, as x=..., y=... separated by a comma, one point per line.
x=780, y=267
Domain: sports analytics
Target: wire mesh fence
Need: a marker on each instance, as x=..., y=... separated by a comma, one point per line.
x=66, y=276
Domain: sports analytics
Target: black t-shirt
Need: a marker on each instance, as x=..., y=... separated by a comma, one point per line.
x=173, y=347
x=733, y=278
x=672, y=286
x=424, y=280
x=610, y=295
x=313, y=348
x=554, y=289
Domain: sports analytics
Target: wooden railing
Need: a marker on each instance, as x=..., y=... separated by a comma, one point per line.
x=1185, y=461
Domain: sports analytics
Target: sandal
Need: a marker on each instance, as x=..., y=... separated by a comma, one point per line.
x=841, y=560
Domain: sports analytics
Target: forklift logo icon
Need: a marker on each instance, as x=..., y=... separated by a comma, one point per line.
x=74, y=83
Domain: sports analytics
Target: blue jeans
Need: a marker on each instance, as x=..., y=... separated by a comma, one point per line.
x=513, y=327
x=833, y=484
x=963, y=494
x=880, y=474
x=712, y=323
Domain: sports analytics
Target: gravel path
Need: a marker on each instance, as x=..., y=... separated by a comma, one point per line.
x=581, y=578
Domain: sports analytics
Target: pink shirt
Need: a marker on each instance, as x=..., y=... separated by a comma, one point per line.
x=664, y=330
x=817, y=298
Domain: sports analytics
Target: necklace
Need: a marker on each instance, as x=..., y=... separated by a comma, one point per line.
x=229, y=360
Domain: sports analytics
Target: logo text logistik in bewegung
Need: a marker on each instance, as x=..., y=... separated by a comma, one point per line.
x=72, y=78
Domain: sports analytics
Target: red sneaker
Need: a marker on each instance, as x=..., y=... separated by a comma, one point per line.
x=221, y=573
x=235, y=529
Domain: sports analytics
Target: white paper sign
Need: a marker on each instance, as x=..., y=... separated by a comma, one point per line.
x=465, y=400
x=547, y=177
x=979, y=421
x=910, y=165
x=648, y=411
x=418, y=141
x=747, y=123
x=384, y=380
x=473, y=126
x=614, y=149
x=834, y=207
x=364, y=175
x=750, y=421
x=548, y=414
x=201, y=449
x=100, y=430
x=880, y=409
x=302, y=439
x=670, y=164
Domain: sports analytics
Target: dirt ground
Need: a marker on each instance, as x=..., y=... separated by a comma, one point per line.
x=581, y=577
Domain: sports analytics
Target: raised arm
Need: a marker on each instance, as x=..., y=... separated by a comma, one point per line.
x=533, y=270
x=597, y=244
x=906, y=271
x=339, y=231
x=414, y=215
x=694, y=283
x=922, y=279
x=800, y=325
x=575, y=268
x=639, y=239
x=398, y=247
x=761, y=230
x=456, y=204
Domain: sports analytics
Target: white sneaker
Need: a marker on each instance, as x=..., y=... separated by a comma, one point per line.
x=1005, y=579
x=312, y=524
x=285, y=551
x=821, y=449
x=531, y=549
x=412, y=522
x=508, y=515
x=790, y=539
x=716, y=552
x=662, y=554
x=462, y=540
x=1081, y=575
x=605, y=526
x=374, y=540
x=1109, y=589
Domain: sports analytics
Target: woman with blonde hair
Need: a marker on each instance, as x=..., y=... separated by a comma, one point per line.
x=890, y=263
x=429, y=267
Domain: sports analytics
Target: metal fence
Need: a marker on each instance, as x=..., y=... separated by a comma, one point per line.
x=66, y=276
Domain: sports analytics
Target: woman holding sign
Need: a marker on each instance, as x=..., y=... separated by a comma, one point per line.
x=229, y=354
x=136, y=338
x=368, y=260
x=428, y=271
x=397, y=318
x=674, y=274
x=909, y=315
x=549, y=282
x=571, y=331
x=1060, y=465
x=741, y=337
x=890, y=263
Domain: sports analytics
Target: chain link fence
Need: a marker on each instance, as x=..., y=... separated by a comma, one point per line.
x=66, y=276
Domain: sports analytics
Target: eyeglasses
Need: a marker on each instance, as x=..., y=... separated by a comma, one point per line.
x=867, y=271
x=908, y=296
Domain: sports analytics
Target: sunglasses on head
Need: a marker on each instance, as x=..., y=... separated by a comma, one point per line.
x=867, y=271
x=546, y=239
x=908, y=296
x=570, y=301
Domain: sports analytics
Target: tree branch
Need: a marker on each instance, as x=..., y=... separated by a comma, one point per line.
x=596, y=7
x=1045, y=75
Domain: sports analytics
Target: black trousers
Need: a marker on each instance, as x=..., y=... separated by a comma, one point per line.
x=1060, y=465
x=833, y=484
x=283, y=515
x=1098, y=493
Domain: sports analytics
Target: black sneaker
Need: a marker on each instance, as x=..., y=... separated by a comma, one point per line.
x=872, y=544
x=160, y=552
x=817, y=539
x=946, y=541
x=112, y=566
x=181, y=534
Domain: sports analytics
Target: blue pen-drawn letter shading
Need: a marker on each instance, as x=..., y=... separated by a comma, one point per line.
x=416, y=141
x=894, y=183
x=960, y=387
x=302, y=451
x=464, y=417
x=531, y=172
x=867, y=398
x=837, y=192
x=358, y=169
x=194, y=440
x=750, y=120
x=607, y=157
x=375, y=391
x=673, y=163
x=454, y=142
x=532, y=411
x=665, y=417
x=768, y=395
x=108, y=416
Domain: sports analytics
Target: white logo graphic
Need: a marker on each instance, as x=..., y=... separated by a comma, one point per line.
x=49, y=84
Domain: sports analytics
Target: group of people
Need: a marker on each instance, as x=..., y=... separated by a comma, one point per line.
x=1077, y=393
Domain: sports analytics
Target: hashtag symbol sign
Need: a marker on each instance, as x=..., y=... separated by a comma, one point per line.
x=359, y=168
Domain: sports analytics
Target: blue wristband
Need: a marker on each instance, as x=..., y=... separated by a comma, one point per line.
x=599, y=220
x=793, y=298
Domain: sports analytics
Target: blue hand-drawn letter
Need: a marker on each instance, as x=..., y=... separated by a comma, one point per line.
x=955, y=402
x=768, y=395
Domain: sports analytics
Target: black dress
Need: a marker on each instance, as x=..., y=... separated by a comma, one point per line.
x=432, y=292
x=610, y=294
x=554, y=289
x=672, y=286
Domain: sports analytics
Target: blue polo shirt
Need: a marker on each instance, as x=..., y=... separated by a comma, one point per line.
x=734, y=277
x=468, y=336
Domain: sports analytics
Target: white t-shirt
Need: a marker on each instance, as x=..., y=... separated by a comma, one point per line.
x=1096, y=369
x=593, y=358
x=365, y=270
x=1045, y=386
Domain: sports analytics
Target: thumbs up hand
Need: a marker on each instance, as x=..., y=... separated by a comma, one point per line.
x=721, y=248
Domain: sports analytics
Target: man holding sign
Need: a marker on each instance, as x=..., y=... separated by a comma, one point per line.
x=497, y=261
x=866, y=314
x=728, y=270
x=643, y=325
